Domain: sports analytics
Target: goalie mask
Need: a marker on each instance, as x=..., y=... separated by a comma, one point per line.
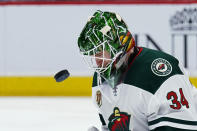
x=104, y=41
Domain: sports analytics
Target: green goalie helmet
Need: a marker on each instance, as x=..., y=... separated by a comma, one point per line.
x=105, y=31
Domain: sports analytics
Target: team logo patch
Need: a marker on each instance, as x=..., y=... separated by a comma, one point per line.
x=98, y=98
x=161, y=67
x=119, y=121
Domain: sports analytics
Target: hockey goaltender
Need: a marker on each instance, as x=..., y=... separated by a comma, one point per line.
x=135, y=88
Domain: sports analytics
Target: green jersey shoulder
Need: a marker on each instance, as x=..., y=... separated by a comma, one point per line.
x=150, y=69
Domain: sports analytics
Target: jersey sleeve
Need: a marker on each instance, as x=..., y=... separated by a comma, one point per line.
x=97, y=101
x=172, y=107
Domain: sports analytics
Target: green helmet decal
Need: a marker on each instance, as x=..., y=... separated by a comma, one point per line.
x=105, y=31
x=102, y=26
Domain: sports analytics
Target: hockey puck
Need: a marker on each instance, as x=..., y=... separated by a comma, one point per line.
x=61, y=76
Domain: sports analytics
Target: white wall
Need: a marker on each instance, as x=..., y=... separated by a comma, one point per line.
x=2, y=36
x=41, y=40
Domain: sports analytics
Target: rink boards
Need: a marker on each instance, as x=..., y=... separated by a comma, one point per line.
x=46, y=86
x=36, y=41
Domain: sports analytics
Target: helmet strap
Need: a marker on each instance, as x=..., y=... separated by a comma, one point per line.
x=120, y=62
x=124, y=59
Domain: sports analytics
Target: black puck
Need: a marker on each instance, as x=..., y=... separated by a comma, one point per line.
x=61, y=76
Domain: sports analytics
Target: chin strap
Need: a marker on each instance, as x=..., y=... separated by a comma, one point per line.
x=110, y=81
x=120, y=62
x=124, y=59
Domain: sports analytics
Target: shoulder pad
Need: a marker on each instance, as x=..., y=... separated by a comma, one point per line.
x=150, y=69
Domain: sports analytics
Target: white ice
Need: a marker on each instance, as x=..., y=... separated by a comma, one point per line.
x=47, y=114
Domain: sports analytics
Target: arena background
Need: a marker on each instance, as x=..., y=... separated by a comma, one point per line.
x=39, y=38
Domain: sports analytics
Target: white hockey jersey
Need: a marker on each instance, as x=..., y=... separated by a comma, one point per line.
x=154, y=95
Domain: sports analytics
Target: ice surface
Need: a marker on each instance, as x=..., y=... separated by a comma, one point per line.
x=47, y=114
